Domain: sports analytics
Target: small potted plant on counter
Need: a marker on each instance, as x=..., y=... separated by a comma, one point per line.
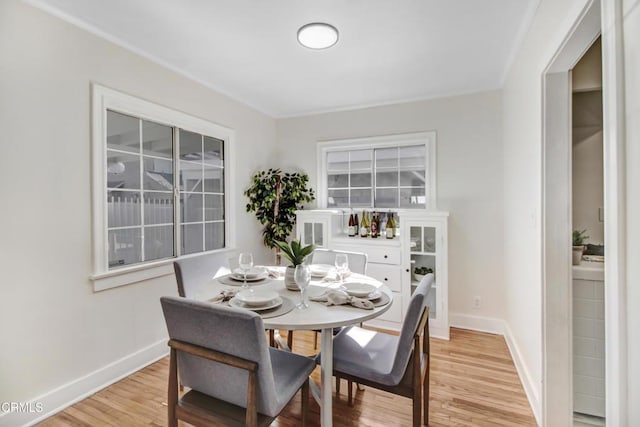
x=579, y=240
x=295, y=253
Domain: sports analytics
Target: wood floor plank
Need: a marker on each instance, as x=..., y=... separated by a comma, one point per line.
x=474, y=383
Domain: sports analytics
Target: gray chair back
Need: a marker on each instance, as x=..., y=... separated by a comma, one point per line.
x=192, y=274
x=409, y=327
x=357, y=260
x=225, y=329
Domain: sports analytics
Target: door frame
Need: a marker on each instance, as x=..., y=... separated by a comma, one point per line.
x=598, y=17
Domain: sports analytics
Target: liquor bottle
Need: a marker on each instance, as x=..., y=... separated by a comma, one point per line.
x=391, y=226
x=352, y=227
x=375, y=225
x=363, y=225
x=356, y=224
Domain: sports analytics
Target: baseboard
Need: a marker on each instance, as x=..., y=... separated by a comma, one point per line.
x=477, y=323
x=66, y=395
x=526, y=379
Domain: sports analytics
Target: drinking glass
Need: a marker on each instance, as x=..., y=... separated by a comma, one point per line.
x=245, y=261
x=302, y=276
x=342, y=266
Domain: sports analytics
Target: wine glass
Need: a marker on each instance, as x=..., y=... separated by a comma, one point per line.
x=342, y=266
x=245, y=261
x=302, y=276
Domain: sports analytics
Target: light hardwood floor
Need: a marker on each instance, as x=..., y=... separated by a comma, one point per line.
x=473, y=383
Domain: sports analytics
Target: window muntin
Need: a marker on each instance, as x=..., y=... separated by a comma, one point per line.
x=382, y=175
x=144, y=200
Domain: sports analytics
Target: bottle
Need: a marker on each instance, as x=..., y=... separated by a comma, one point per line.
x=352, y=227
x=391, y=226
x=356, y=225
x=375, y=225
x=363, y=225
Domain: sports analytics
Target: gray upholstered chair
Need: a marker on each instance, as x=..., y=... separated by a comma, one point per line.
x=221, y=353
x=357, y=260
x=357, y=264
x=193, y=273
x=396, y=364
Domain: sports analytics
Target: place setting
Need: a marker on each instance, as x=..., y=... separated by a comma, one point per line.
x=356, y=294
x=246, y=275
x=267, y=303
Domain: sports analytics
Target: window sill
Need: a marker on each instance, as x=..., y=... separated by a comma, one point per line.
x=134, y=274
x=130, y=275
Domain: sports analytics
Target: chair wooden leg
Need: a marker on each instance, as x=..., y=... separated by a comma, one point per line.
x=315, y=340
x=272, y=338
x=425, y=392
x=305, y=402
x=350, y=392
x=337, y=386
x=172, y=392
x=290, y=340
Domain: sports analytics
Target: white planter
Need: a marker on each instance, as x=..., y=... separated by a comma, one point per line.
x=577, y=254
x=289, y=279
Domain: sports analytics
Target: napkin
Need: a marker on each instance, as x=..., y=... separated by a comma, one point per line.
x=275, y=272
x=333, y=277
x=337, y=297
x=224, y=296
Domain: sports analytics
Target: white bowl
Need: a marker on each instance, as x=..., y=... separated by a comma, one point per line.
x=256, y=297
x=360, y=290
x=320, y=270
x=252, y=273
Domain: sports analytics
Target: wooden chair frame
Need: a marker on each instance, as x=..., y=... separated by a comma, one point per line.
x=418, y=390
x=202, y=410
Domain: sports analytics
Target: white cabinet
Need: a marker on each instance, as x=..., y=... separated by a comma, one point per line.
x=313, y=227
x=424, y=240
x=421, y=244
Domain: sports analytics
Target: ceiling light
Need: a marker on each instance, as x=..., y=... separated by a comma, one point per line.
x=317, y=35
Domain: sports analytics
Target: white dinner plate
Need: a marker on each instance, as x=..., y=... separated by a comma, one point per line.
x=256, y=298
x=320, y=270
x=361, y=290
x=251, y=273
x=374, y=295
x=234, y=302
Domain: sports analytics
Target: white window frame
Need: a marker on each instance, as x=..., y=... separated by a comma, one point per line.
x=104, y=99
x=428, y=139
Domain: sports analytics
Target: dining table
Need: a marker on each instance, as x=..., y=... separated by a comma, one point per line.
x=317, y=316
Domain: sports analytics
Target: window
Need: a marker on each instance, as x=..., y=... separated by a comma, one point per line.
x=161, y=188
x=379, y=172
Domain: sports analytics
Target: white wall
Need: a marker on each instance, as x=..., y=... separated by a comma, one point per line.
x=588, y=187
x=631, y=27
x=54, y=328
x=469, y=165
x=522, y=106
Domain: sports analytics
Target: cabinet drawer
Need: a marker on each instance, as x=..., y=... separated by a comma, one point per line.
x=394, y=313
x=390, y=275
x=381, y=255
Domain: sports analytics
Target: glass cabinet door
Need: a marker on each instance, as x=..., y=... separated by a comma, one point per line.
x=313, y=234
x=423, y=253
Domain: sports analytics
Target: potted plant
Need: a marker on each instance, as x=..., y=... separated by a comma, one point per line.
x=275, y=196
x=295, y=253
x=579, y=239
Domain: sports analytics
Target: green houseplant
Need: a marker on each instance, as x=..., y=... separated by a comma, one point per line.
x=579, y=239
x=274, y=196
x=295, y=253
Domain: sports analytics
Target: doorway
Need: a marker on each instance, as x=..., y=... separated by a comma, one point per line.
x=557, y=217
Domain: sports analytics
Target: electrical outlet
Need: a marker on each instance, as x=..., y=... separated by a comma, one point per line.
x=476, y=302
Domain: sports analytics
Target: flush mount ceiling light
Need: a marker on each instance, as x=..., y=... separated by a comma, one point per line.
x=317, y=35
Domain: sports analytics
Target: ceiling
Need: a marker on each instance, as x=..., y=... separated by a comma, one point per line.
x=388, y=51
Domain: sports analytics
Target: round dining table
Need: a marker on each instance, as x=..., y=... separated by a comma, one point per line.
x=318, y=316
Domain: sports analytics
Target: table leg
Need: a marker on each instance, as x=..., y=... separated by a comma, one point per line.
x=326, y=377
